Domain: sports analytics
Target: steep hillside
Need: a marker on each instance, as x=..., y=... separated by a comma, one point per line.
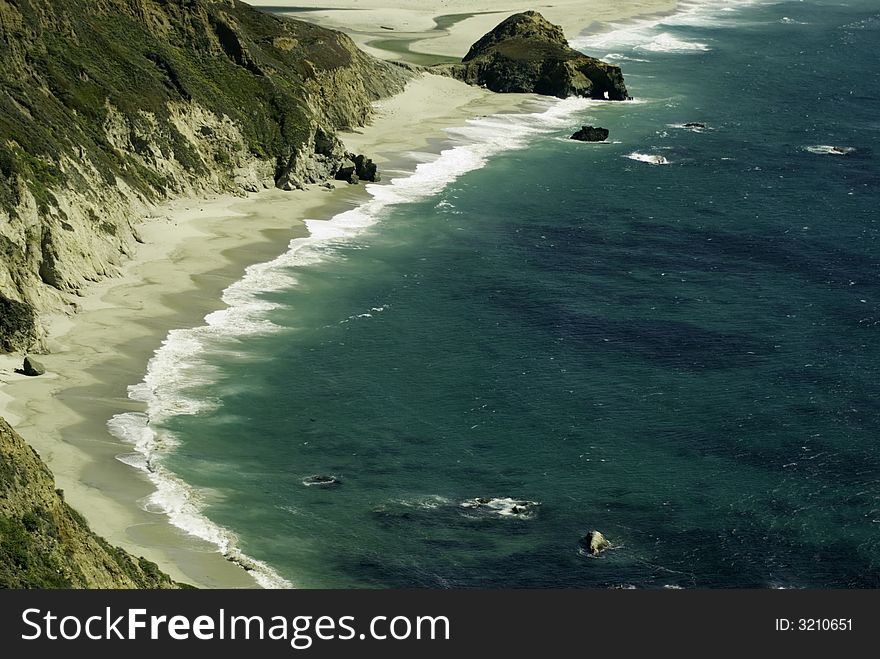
x=44, y=543
x=107, y=105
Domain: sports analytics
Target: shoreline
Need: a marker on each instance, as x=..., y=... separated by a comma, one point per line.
x=420, y=32
x=174, y=280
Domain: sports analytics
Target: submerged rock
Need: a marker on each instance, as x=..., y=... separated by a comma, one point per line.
x=826, y=149
x=322, y=480
x=528, y=54
x=591, y=134
x=503, y=507
x=594, y=542
x=32, y=367
x=695, y=124
x=649, y=158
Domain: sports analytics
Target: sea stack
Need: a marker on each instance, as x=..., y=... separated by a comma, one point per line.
x=594, y=543
x=528, y=54
x=591, y=134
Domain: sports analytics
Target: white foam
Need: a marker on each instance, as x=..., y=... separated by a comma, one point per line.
x=181, y=363
x=667, y=43
x=135, y=460
x=430, y=502
x=693, y=128
x=503, y=506
x=649, y=158
x=828, y=150
x=652, y=34
x=176, y=499
x=620, y=57
x=321, y=481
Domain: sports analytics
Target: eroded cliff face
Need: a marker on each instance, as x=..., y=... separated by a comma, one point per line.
x=109, y=106
x=527, y=53
x=44, y=543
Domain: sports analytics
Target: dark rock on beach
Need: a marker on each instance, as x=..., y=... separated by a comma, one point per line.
x=347, y=173
x=591, y=134
x=357, y=168
x=32, y=367
x=321, y=480
x=528, y=54
x=366, y=169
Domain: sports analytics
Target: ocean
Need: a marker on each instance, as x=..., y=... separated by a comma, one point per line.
x=670, y=337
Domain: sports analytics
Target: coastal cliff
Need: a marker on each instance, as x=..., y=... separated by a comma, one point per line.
x=107, y=107
x=526, y=53
x=44, y=543
x=110, y=106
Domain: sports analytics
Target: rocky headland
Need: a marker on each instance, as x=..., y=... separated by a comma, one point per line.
x=528, y=54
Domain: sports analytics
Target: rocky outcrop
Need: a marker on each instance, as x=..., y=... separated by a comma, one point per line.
x=108, y=107
x=44, y=543
x=18, y=325
x=366, y=169
x=357, y=168
x=348, y=173
x=502, y=507
x=593, y=543
x=322, y=480
x=32, y=367
x=591, y=134
x=527, y=53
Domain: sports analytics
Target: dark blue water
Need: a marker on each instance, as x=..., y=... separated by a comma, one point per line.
x=681, y=355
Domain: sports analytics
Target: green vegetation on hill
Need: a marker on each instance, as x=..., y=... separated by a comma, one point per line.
x=62, y=62
x=527, y=53
x=107, y=104
x=44, y=543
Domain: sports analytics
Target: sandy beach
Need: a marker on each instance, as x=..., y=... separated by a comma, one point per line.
x=431, y=31
x=193, y=249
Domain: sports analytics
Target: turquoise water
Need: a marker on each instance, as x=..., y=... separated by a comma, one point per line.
x=683, y=355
